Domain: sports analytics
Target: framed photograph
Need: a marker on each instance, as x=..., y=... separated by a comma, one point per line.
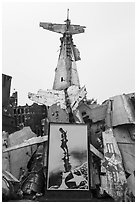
x=67, y=157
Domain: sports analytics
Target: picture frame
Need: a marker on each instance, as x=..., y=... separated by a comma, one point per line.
x=67, y=159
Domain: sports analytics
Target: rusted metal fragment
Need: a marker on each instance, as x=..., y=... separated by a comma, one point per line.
x=26, y=143
x=56, y=114
x=122, y=111
x=114, y=180
x=49, y=98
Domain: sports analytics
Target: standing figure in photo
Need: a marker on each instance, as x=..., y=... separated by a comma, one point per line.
x=64, y=146
x=64, y=140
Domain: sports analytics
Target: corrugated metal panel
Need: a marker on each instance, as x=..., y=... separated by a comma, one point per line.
x=121, y=111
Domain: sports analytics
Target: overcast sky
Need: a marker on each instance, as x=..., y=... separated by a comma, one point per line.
x=30, y=53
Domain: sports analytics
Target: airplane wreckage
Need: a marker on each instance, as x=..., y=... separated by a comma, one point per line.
x=88, y=149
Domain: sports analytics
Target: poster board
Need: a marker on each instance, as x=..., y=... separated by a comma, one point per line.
x=67, y=163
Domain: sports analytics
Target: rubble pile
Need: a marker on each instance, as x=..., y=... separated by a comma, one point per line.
x=110, y=133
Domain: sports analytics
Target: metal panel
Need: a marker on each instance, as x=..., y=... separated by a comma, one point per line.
x=62, y=28
x=128, y=156
x=122, y=134
x=56, y=114
x=26, y=143
x=19, y=158
x=131, y=183
x=49, y=98
x=76, y=95
x=114, y=181
x=96, y=114
x=121, y=111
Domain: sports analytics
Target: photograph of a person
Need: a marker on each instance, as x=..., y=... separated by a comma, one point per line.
x=68, y=157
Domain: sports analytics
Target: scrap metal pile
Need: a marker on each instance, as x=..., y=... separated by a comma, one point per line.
x=111, y=133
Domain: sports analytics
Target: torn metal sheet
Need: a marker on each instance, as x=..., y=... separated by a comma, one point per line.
x=26, y=143
x=76, y=95
x=49, y=98
x=126, y=142
x=122, y=112
x=19, y=158
x=95, y=114
x=124, y=134
x=56, y=114
x=77, y=116
x=128, y=108
x=128, y=156
x=62, y=28
x=98, y=113
x=114, y=180
x=131, y=183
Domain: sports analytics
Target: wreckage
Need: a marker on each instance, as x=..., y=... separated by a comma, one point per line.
x=111, y=135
